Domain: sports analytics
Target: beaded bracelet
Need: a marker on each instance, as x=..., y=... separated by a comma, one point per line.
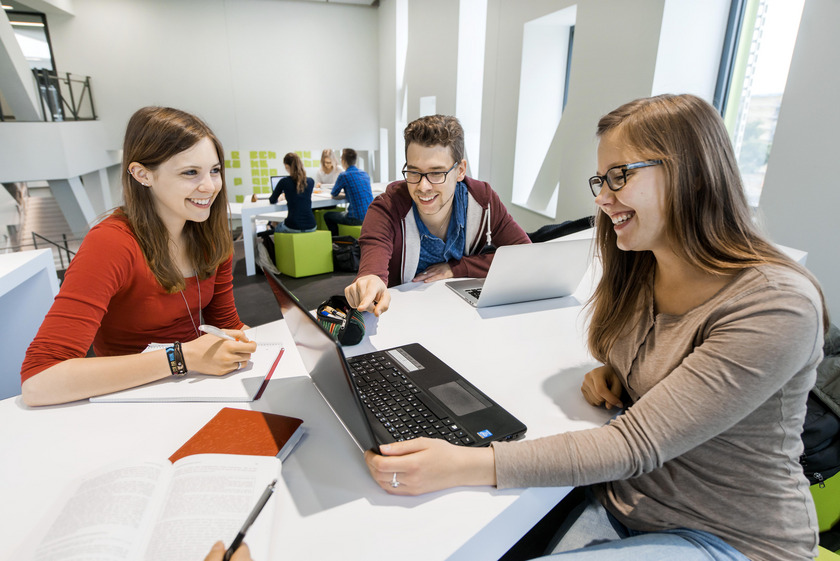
x=175, y=355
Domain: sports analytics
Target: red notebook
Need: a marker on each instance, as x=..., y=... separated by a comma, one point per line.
x=241, y=431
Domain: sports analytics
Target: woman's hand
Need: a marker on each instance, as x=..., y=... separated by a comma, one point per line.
x=423, y=465
x=211, y=355
x=217, y=553
x=602, y=386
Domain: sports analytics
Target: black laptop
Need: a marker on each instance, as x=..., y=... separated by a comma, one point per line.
x=395, y=394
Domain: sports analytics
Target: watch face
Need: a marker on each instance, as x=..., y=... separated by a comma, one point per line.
x=175, y=366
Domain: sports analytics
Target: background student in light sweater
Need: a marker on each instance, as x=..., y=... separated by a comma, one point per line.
x=709, y=337
x=153, y=271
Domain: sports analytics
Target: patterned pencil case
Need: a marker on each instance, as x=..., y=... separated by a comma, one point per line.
x=345, y=324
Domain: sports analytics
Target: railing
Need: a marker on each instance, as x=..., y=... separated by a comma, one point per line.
x=65, y=247
x=65, y=97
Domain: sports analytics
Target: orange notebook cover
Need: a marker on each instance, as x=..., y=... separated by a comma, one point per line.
x=241, y=431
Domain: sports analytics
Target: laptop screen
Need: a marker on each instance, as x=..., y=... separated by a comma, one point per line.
x=275, y=179
x=323, y=359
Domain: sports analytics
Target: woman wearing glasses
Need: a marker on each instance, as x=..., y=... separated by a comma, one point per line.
x=709, y=338
x=436, y=224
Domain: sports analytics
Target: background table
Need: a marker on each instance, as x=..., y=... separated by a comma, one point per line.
x=529, y=357
x=28, y=285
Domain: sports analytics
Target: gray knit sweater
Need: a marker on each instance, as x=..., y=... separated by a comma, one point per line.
x=712, y=439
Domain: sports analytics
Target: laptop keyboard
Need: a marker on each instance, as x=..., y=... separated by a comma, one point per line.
x=394, y=400
x=474, y=292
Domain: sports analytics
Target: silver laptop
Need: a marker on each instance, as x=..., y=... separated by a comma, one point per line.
x=525, y=272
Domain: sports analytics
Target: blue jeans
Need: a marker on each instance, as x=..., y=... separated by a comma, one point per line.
x=593, y=534
x=281, y=228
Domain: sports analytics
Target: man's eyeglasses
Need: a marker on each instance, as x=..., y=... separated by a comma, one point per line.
x=433, y=177
x=616, y=176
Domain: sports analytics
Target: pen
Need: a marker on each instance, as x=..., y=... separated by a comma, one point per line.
x=216, y=331
x=237, y=541
x=330, y=317
x=333, y=311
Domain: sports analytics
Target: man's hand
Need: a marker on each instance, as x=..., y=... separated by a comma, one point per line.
x=436, y=272
x=368, y=294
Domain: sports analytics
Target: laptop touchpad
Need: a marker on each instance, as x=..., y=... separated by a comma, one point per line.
x=459, y=400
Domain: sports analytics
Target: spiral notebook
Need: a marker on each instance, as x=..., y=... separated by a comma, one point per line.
x=245, y=384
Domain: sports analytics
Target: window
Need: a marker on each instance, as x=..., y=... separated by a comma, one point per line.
x=33, y=37
x=754, y=69
x=543, y=89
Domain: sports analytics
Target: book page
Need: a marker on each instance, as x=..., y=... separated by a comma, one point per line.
x=152, y=510
x=105, y=516
x=209, y=498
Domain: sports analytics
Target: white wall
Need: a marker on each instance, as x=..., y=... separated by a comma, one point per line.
x=269, y=75
x=605, y=54
x=800, y=198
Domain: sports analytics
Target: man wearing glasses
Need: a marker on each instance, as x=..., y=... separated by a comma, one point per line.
x=356, y=186
x=437, y=224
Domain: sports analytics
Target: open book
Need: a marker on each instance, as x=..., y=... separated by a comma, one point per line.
x=155, y=510
x=245, y=384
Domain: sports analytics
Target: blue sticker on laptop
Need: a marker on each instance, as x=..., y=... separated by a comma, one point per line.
x=485, y=433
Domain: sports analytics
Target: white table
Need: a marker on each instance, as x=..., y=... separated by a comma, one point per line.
x=28, y=285
x=249, y=211
x=529, y=357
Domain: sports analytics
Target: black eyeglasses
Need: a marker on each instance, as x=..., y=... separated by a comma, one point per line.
x=616, y=176
x=433, y=177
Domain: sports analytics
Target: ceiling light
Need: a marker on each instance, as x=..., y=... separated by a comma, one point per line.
x=27, y=23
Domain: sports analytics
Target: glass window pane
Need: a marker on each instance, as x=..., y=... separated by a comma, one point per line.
x=760, y=73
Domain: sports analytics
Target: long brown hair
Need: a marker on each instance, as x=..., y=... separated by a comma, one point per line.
x=296, y=171
x=153, y=135
x=708, y=220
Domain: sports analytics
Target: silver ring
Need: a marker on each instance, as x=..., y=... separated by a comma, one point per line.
x=238, y=365
x=394, y=482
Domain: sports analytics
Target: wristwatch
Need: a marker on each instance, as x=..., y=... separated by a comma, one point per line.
x=176, y=360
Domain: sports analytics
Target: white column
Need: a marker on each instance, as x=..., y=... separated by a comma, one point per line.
x=74, y=203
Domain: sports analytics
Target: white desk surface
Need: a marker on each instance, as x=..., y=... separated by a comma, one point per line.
x=529, y=357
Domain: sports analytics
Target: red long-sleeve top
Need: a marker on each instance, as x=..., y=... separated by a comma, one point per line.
x=112, y=299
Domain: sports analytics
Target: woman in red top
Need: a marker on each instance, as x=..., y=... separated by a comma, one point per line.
x=153, y=271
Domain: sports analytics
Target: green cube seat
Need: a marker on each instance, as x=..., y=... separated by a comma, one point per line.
x=826, y=555
x=319, y=216
x=305, y=254
x=347, y=230
x=827, y=501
